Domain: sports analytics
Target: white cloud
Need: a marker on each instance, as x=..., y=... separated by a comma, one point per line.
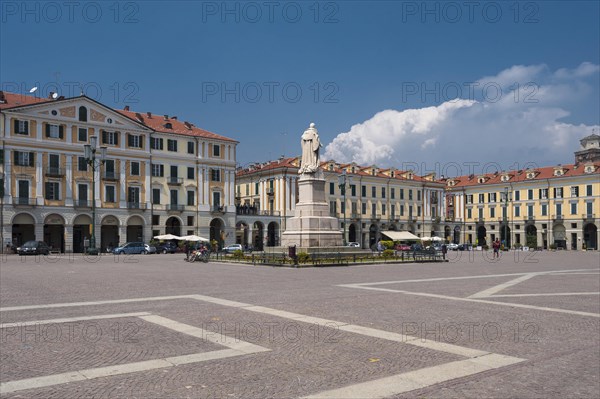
x=524, y=125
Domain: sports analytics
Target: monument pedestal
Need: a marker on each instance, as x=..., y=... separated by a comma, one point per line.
x=312, y=226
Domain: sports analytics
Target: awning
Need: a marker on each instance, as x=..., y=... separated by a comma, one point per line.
x=167, y=237
x=193, y=238
x=400, y=235
x=431, y=238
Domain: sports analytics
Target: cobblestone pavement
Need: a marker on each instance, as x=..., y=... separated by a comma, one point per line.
x=524, y=326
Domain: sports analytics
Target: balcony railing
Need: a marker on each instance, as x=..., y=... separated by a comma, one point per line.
x=110, y=175
x=376, y=216
x=588, y=216
x=24, y=201
x=557, y=217
x=218, y=209
x=355, y=216
x=270, y=191
x=82, y=203
x=175, y=207
x=530, y=218
x=55, y=171
x=175, y=180
x=136, y=205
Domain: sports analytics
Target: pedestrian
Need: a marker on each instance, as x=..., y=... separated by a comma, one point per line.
x=496, y=246
x=444, y=250
x=186, y=248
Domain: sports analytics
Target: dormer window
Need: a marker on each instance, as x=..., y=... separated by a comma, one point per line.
x=391, y=173
x=451, y=183
x=589, y=169
x=530, y=175
x=558, y=172
x=168, y=125
x=331, y=167
x=481, y=180
x=504, y=178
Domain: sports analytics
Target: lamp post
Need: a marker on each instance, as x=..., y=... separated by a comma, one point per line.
x=2, y=213
x=505, y=198
x=90, y=158
x=344, y=180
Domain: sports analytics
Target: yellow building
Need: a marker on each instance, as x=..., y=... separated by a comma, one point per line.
x=160, y=175
x=375, y=200
x=539, y=207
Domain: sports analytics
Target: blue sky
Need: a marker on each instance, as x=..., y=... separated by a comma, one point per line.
x=378, y=78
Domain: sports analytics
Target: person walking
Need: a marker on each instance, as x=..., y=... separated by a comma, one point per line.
x=496, y=246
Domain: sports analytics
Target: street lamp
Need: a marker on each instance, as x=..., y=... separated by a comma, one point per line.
x=505, y=198
x=344, y=180
x=2, y=212
x=90, y=158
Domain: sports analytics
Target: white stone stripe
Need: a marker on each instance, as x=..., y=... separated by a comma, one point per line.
x=492, y=290
x=92, y=303
x=72, y=319
x=453, y=298
x=406, y=382
x=548, y=294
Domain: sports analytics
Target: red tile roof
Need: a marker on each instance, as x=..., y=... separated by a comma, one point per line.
x=10, y=100
x=518, y=176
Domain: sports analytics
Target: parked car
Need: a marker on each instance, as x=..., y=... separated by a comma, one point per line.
x=34, y=248
x=354, y=244
x=168, y=247
x=134, y=247
x=232, y=248
x=453, y=247
x=402, y=247
x=151, y=249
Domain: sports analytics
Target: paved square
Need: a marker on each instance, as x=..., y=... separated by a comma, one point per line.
x=155, y=326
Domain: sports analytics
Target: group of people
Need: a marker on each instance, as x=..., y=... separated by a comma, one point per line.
x=191, y=252
x=246, y=209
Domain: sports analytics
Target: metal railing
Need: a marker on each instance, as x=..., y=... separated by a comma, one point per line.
x=110, y=175
x=82, y=203
x=175, y=207
x=175, y=180
x=24, y=201
x=54, y=171
x=136, y=205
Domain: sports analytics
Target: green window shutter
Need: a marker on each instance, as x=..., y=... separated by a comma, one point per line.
x=16, y=157
x=61, y=130
x=16, y=126
x=47, y=130
x=31, y=158
x=103, y=137
x=116, y=138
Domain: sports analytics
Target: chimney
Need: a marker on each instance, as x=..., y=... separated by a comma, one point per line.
x=126, y=108
x=166, y=117
x=139, y=117
x=149, y=114
x=188, y=125
x=174, y=117
x=50, y=94
x=2, y=98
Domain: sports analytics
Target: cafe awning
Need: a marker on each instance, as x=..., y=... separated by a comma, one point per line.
x=400, y=235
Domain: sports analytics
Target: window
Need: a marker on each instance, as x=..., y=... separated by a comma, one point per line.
x=190, y=174
x=135, y=168
x=54, y=131
x=517, y=195
x=382, y=192
x=544, y=210
x=52, y=190
x=156, y=143
x=332, y=208
x=530, y=194
x=383, y=209
x=191, y=199
x=558, y=209
x=410, y=212
x=543, y=193
x=155, y=221
x=410, y=197
x=491, y=197
x=82, y=134
x=401, y=193
x=174, y=171
x=558, y=192
x=469, y=198
x=481, y=198
x=419, y=211
x=83, y=114
x=215, y=175
x=373, y=210
x=363, y=191
x=517, y=210
x=111, y=138
x=134, y=141
x=172, y=145
x=82, y=164
x=492, y=212
x=480, y=213
x=174, y=197
x=190, y=222
x=418, y=195
x=393, y=193
x=156, y=195
x=573, y=208
x=21, y=127
x=353, y=189
x=23, y=158
x=588, y=190
x=469, y=213
x=190, y=147
x=158, y=170
x=343, y=207
x=401, y=210
x=109, y=194
x=363, y=208
x=373, y=191
x=530, y=211
x=133, y=196
x=331, y=188
x=216, y=150
x=589, y=208
x=575, y=191
x=393, y=211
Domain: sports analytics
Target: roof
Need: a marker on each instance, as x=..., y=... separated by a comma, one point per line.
x=154, y=122
x=592, y=136
x=400, y=235
x=518, y=176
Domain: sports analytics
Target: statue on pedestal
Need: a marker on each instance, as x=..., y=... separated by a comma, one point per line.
x=310, y=150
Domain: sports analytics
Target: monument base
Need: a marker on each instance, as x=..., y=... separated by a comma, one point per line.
x=312, y=226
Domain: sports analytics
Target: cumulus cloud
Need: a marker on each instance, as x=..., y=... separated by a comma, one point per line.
x=524, y=124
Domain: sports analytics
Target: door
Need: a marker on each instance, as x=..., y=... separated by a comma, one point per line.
x=82, y=194
x=133, y=197
x=23, y=192
x=53, y=163
x=109, y=169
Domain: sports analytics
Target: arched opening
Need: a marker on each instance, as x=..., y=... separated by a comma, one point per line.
x=272, y=234
x=505, y=235
x=109, y=233
x=83, y=114
x=173, y=226
x=531, y=236
x=54, y=232
x=82, y=229
x=373, y=230
x=23, y=229
x=352, y=236
x=590, y=236
x=135, y=229
x=456, y=238
x=560, y=236
x=241, y=233
x=217, y=233
x=258, y=230
x=481, y=233
x=447, y=233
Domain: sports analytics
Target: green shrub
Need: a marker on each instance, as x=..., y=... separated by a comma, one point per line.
x=303, y=257
x=238, y=254
x=552, y=246
x=388, y=244
x=388, y=253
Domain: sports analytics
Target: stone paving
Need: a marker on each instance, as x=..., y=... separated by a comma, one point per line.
x=524, y=326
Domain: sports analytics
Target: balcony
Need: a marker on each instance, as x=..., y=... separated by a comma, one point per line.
x=588, y=216
x=24, y=201
x=530, y=218
x=557, y=218
x=375, y=216
x=355, y=216
x=110, y=175
x=270, y=191
x=217, y=209
x=175, y=181
x=174, y=207
x=54, y=172
x=82, y=203
x=136, y=205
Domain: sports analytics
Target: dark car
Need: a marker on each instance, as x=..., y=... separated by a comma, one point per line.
x=134, y=247
x=34, y=248
x=166, y=248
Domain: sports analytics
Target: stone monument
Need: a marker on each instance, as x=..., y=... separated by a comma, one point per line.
x=312, y=226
